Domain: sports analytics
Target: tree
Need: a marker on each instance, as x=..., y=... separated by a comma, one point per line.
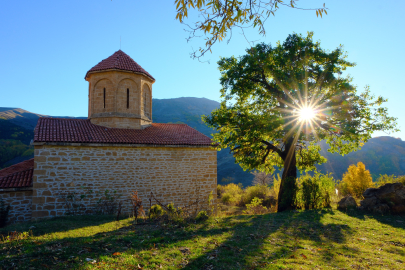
x=278, y=102
x=220, y=17
x=357, y=180
x=262, y=178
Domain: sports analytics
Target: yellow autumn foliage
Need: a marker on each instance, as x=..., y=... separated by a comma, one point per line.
x=357, y=179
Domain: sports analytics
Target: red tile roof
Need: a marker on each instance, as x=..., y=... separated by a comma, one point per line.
x=119, y=60
x=18, y=175
x=83, y=131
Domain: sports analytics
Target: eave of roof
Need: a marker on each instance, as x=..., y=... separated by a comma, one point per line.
x=83, y=131
x=18, y=175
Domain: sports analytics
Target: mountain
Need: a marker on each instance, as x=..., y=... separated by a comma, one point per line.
x=186, y=110
x=20, y=117
x=14, y=143
x=381, y=155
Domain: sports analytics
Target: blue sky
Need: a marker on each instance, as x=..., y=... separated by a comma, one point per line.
x=47, y=47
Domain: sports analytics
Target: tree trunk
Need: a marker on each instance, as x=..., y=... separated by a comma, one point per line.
x=288, y=186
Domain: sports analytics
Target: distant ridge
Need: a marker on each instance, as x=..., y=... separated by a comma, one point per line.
x=25, y=118
x=20, y=117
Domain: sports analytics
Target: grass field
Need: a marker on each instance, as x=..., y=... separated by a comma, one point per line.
x=316, y=239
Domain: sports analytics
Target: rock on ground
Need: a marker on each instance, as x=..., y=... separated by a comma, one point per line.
x=389, y=198
x=347, y=203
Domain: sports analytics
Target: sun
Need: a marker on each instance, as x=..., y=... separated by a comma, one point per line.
x=306, y=113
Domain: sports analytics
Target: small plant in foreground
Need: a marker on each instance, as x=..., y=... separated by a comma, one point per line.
x=155, y=211
x=107, y=202
x=74, y=202
x=201, y=216
x=15, y=237
x=255, y=207
x=137, y=207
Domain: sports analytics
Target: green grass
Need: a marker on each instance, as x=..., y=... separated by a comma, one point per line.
x=317, y=239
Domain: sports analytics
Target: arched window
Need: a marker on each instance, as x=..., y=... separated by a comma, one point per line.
x=127, y=98
x=104, y=98
x=146, y=101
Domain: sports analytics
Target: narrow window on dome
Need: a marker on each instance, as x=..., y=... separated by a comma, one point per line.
x=127, y=98
x=104, y=98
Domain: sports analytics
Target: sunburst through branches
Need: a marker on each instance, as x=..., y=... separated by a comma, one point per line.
x=306, y=113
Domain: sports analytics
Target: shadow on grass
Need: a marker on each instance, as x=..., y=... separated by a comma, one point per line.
x=239, y=242
x=397, y=221
x=246, y=248
x=58, y=224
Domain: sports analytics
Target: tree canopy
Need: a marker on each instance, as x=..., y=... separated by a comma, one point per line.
x=278, y=102
x=219, y=17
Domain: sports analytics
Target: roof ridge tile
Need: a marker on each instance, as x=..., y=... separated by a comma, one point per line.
x=121, y=61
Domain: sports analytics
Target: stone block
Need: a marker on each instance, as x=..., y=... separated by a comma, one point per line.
x=38, y=200
x=49, y=207
x=40, y=214
x=46, y=193
x=39, y=185
x=40, y=159
x=40, y=172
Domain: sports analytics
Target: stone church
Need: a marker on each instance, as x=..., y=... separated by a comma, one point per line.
x=118, y=148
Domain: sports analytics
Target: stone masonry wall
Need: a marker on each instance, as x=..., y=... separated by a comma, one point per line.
x=174, y=174
x=20, y=202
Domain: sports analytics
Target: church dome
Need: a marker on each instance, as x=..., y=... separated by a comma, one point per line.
x=119, y=61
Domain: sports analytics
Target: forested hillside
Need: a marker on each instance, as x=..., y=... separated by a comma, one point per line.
x=382, y=155
x=14, y=143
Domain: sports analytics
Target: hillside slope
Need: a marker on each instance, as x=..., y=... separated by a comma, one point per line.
x=20, y=117
x=381, y=155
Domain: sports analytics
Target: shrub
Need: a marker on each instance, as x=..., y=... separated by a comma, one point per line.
x=137, y=207
x=316, y=191
x=155, y=211
x=401, y=179
x=232, y=194
x=226, y=199
x=107, y=202
x=4, y=210
x=385, y=179
x=255, y=207
x=201, y=216
x=269, y=202
x=220, y=190
x=173, y=214
x=170, y=208
x=73, y=202
x=257, y=191
x=357, y=180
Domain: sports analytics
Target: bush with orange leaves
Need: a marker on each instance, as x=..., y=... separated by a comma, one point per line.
x=355, y=181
